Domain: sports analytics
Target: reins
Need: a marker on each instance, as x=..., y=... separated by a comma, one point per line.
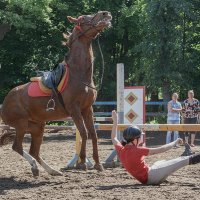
x=103, y=66
x=103, y=69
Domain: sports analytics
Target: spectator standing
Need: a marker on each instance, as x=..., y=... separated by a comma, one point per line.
x=190, y=114
x=173, y=116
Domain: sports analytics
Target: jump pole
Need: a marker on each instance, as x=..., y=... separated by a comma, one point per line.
x=76, y=158
x=152, y=127
x=120, y=106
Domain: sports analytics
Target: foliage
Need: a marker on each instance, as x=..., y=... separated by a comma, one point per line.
x=157, y=40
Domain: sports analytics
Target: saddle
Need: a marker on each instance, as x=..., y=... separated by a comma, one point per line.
x=52, y=80
x=51, y=83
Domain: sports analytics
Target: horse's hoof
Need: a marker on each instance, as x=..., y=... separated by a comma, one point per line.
x=99, y=167
x=82, y=166
x=56, y=173
x=35, y=171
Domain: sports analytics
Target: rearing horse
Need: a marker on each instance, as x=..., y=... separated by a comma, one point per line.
x=28, y=115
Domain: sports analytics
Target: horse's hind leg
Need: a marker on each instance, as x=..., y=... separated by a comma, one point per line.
x=89, y=123
x=17, y=145
x=37, y=130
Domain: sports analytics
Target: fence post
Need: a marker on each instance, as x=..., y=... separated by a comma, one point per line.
x=120, y=106
x=120, y=96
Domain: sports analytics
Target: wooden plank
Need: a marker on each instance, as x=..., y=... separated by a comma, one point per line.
x=97, y=119
x=121, y=127
x=153, y=127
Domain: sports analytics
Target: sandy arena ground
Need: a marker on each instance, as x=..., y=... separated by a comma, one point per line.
x=17, y=182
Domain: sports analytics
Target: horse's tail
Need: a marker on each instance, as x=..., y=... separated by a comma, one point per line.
x=6, y=135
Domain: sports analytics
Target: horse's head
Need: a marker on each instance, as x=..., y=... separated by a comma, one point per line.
x=89, y=26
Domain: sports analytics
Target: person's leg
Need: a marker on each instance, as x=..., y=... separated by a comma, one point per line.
x=186, y=137
x=192, y=139
x=168, y=136
x=193, y=121
x=186, y=120
x=161, y=170
x=176, y=135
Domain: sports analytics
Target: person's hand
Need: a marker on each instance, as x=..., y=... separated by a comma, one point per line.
x=114, y=117
x=172, y=110
x=179, y=141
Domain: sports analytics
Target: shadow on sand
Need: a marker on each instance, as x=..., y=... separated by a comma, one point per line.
x=128, y=186
x=11, y=183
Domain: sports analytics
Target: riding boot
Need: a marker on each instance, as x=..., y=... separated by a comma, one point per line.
x=187, y=151
x=194, y=159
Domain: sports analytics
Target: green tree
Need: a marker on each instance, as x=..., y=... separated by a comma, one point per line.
x=157, y=40
x=165, y=25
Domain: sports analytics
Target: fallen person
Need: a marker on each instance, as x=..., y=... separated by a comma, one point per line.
x=132, y=156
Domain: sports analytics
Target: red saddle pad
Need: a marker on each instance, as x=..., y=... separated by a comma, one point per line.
x=35, y=91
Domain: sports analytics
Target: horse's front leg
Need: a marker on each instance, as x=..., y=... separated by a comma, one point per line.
x=89, y=123
x=78, y=120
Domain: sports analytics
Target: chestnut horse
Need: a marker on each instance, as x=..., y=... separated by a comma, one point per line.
x=28, y=114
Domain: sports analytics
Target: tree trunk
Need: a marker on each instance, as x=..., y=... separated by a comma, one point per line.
x=4, y=28
x=166, y=93
x=154, y=97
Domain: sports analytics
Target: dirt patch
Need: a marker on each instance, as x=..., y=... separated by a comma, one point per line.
x=17, y=182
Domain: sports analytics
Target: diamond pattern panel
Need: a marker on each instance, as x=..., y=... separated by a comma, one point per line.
x=131, y=98
x=131, y=116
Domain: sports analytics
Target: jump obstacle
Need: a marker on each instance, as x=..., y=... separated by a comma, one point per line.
x=109, y=162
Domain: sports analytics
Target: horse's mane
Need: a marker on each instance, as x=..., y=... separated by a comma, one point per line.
x=68, y=37
x=68, y=40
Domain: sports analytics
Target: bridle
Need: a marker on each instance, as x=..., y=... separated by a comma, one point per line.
x=83, y=33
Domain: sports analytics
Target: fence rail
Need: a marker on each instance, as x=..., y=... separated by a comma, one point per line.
x=114, y=103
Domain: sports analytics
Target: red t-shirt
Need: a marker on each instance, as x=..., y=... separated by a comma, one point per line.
x=132, y=158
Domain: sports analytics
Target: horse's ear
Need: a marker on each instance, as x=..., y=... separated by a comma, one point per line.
x=71, y=19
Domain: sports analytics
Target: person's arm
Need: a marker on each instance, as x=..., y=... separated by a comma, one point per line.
x=177, y=109
x=169, y=107
x=198, y=109
x=165, y=147
x=114, y=128
x=174, y=109
x=183, y=108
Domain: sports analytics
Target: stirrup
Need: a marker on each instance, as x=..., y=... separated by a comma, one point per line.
x=49, y=107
